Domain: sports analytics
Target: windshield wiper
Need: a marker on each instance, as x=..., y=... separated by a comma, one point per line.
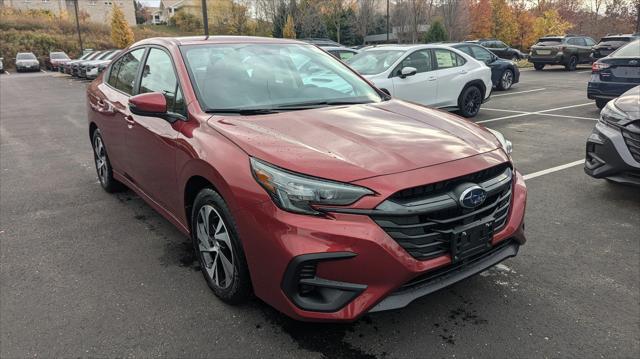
x=243, y=112
x=313, y=104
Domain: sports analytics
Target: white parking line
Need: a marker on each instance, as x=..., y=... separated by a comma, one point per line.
x=553, y=169
x=541, y=112
x=583, y=72
x=517, y=92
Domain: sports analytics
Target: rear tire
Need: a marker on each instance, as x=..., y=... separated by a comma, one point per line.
x=215, y=239
x=572, y=65
x=469, y=101
x=103, y=165
x=538, y=66
x=601, y=103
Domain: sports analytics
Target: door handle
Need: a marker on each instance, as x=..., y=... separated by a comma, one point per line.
x=431, y=78
x=129, y=120
x=462, y=72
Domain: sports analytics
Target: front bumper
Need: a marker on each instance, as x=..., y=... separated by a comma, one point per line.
x=363, y=268
x=608, y=156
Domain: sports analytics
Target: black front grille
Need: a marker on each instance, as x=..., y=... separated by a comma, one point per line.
x=632, y=140
x=411, y=194
x=421, y=224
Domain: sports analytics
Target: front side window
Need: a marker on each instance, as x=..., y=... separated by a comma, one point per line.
x=420, y=60
x=373, y=62
x=240, y=77
x=158, y=75
x=447, y=59
x=589, y=41
x=123, y=74
x=500, y=44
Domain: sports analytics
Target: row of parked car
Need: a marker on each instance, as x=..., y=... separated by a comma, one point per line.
x=87, y=66
x=572, y=50
x=453, y=76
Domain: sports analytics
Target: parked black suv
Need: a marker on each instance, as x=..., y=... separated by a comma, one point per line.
x=501, y=49
x=610, y=43
x=568, y=50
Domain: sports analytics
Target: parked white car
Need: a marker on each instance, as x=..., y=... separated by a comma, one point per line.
x=433, y=75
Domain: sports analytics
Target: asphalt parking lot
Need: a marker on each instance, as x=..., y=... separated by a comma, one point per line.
x=88, y=274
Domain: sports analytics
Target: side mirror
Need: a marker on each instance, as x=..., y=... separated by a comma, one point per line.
x=408, y=71
x=385, y=91
x=148, y=104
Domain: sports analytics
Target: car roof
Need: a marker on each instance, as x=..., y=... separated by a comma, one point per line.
x=407, y=47
x=335, y=48
x=201, y=40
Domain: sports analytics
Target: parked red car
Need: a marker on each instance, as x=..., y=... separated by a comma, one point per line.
x=313, y=189
x=55, y=60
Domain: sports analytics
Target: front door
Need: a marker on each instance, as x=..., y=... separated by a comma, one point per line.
x=151, y=141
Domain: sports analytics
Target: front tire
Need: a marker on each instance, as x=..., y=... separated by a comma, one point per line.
x=215, y=240
x=469, y=101
x=103, y=165
x=538, y=66
x=506, y=80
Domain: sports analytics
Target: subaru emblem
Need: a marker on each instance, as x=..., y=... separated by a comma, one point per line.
x=472, y=197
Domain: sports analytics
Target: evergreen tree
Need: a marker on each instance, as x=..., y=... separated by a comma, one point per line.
x=289, y=30
x=436, y=33
x=121, y=33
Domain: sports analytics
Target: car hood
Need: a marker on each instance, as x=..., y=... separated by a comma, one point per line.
x=628, y=102
x=59, y=60
x=348, y=143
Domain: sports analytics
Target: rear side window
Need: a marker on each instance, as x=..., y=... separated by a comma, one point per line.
x=123, y=74
x=447, y=59
x=481, y=54
x=158, y=75
x=589, y=41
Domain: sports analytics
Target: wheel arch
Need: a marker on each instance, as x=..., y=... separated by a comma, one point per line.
x=478, y=83
x=92, y=128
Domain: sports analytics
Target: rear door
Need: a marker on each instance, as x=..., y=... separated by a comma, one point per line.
x=113, y=108
x=421, y=87
x=151, y=141
x=451, y=76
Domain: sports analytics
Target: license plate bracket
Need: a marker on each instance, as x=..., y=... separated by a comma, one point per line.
x=470, y=240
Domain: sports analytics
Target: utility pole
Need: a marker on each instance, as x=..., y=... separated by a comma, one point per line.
x=205, y=18
x=387, y=21
x=75, y=5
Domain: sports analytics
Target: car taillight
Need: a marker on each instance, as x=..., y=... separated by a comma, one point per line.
x=597, y=66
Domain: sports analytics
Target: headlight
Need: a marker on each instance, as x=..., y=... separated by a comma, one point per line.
x=296, y=192
x=612, y=115
x=506, y=144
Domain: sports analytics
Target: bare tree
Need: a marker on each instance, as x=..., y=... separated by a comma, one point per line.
x=364, y=16
x=334, y=10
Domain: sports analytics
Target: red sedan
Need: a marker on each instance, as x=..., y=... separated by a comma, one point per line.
x=298, y=180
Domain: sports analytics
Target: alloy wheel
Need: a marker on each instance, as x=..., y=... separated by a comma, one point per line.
x=101, y=160
x=214, y=245
x=472, y=102
x=507, y=79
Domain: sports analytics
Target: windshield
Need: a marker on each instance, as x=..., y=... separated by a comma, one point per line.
x=25, y=56
x=237, y=77
x=59, y=56
x=373, y=62
x=631, y=49
x=546, y=41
